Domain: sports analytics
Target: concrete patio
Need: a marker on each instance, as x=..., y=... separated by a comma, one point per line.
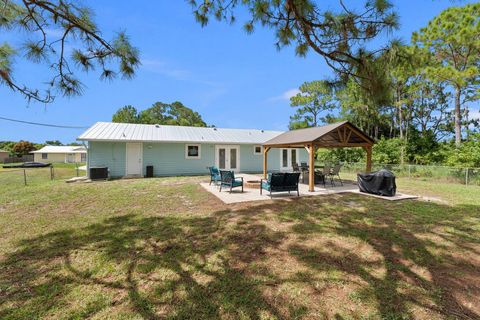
x=250, y=194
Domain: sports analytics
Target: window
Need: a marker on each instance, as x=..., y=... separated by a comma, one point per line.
x=44, y=156
x=285, y=158
x=192, y=151
x=83, y=157
x=257, y=150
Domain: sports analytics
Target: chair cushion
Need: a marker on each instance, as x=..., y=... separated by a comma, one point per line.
x=237, y=183
x=265, y=185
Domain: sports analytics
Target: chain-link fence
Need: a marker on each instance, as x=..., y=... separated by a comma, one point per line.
x=467, y=176
x=33, y=176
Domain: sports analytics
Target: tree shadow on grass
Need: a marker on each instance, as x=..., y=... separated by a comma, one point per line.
x=161, y=267
x=404, y=241
x=200, y=267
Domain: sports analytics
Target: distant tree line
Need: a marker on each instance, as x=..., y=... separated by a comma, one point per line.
x=23, y=147
x=174, y=113
x=423, y=114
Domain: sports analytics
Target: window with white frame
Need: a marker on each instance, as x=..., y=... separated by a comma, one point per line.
x=192, y=151
x=83, y=157
x=44, y=156
x=257, y=149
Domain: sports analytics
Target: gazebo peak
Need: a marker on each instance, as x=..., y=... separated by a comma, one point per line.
x=340, y=134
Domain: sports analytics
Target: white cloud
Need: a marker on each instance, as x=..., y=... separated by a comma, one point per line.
x=161, y=67
x=290, y=93
x=474, y=114
x=286, y=95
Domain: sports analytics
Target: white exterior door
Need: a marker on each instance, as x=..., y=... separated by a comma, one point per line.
x=134, y=159
x=287, y=158
x=227, y=157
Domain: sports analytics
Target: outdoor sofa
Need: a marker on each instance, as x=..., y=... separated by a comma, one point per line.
x=280, y=182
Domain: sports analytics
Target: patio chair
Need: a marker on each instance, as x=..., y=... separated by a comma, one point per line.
x=303, y=170
x=227, y=179
x=280, y=182
x=295, y=167
x=335, y=172
x=322, y=174
x=214, y=175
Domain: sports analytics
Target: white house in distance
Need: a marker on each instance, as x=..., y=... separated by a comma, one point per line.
x=66, y=154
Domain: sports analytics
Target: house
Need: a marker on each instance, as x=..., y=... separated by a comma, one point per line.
x=66, y=154
x=127, y=149
x=4, y=154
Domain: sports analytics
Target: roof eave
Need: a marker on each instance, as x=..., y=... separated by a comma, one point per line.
x=168, y=141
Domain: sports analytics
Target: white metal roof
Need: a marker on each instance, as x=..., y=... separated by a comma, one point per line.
x=109, y=131
x=61, y=149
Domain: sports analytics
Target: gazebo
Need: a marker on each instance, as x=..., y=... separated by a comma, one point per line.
x=336, y=135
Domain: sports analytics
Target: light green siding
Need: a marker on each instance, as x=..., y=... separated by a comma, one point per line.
x=168, y=159
x=250, y=162
x=109, y=154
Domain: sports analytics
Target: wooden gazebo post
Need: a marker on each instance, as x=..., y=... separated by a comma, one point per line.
x=311, y=170
x=265, y=161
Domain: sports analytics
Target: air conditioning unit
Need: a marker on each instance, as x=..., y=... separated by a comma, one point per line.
x=149, y=172
x=98, y=173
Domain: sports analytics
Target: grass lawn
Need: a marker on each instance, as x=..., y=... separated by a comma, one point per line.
x=165, y=248
x=14, y=177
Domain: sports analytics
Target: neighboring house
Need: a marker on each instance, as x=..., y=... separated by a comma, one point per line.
x=126, y=149
x=4, y=155
x=66, y=154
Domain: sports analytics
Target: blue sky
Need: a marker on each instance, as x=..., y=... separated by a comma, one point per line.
x=232, y=79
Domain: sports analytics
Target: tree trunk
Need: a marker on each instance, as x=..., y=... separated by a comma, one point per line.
x=458, y=118
x=467, y=129
x=400, y=115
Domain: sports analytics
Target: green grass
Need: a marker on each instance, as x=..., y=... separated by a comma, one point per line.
x=165, y=248
x=14, y=177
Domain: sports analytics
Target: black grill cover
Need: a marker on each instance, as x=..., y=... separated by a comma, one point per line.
x=380, y=182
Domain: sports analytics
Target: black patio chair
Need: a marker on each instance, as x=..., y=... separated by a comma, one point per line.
x=214, y=175
x=227, y=179
x=303, y=170
x=323, y=174
x=295, y=167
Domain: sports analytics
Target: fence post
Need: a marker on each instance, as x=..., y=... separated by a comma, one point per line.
x=51, y=173
x=466, y=176
x=25, y=176
x=76, y=167
x=409, y=170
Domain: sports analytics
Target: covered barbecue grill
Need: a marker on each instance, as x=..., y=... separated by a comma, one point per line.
x=381, y=182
